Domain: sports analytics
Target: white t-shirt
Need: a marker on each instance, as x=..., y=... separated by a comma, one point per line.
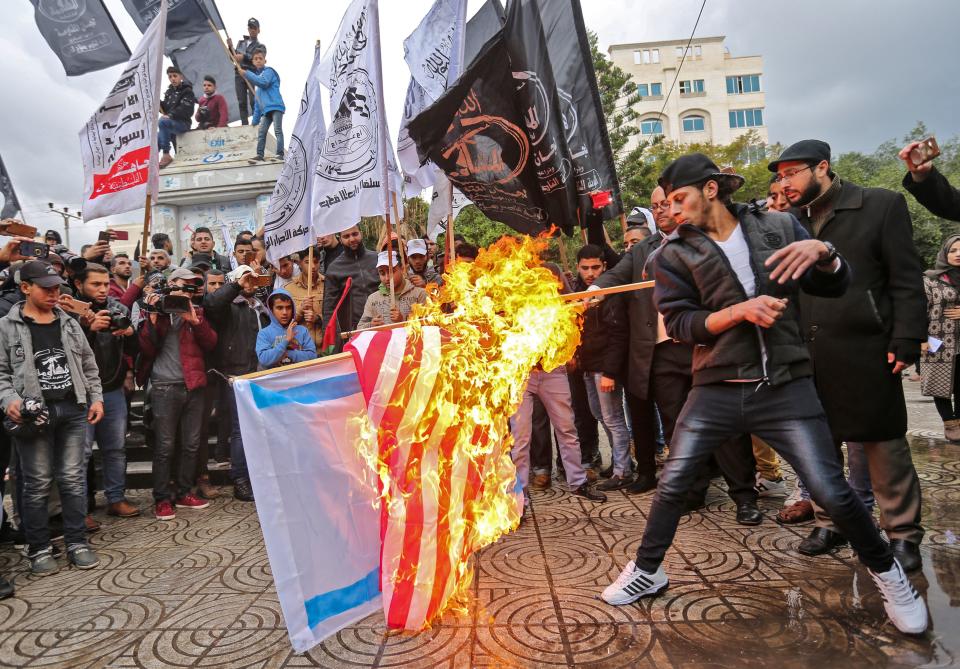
x=738, y=254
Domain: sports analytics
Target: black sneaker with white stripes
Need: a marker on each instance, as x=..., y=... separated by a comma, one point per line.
x=634, y=583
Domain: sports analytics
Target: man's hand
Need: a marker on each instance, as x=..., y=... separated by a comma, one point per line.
x=902, y=353
x=953, y=313
x=589, y=301
x=101, y=321
x=607, y=385
x=417, y=281
x=763, y=311
x=395, y=316
x=309, y=315
x=129, y=383
x=918, y=172
x=10, y=253
x=246, y=283
x=291, y=332
x=793, y=260
x=145, y=265
x=97, y=250
x=123, y=333
x=376, y=321
x=95, y=413
x=13, y=410
x=192, y=317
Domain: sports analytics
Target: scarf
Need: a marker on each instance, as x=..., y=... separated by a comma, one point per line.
x=818, y=211
x=941, y=266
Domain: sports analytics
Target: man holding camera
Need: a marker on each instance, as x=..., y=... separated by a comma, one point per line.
x=50, y=391
x=239, y=316
x=107, y=327
x=926, y=183
x=173, y=339
x=211, y=107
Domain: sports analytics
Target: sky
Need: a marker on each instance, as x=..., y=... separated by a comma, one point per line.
x=855, y=73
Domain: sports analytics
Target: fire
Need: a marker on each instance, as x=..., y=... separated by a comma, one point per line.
x=500, y=317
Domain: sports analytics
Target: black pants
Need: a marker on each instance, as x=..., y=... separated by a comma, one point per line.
x=175, y=410
x=949, y=408
x=244, y=99
x=788, y=417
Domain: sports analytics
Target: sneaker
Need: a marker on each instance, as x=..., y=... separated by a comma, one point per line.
x=904, y=606
x=164, y=510
x=82, y=556
x=165, y=160
x=242, y=490
x=256, y=159
x=191, y=501
x=634, y=583
x=770, y=488
x=43, y=563
x=615, y=482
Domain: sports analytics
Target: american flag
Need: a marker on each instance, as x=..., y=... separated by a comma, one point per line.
x=428, y=516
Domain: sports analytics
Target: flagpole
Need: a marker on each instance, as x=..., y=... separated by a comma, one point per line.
x=216, y=32
x=147, y=208
x=448, y=240
x=401, y=250
x=382, y=144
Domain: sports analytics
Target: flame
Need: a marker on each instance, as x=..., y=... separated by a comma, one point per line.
x=503, y=316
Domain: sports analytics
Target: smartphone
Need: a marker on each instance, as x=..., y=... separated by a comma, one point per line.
x=924, y=152
x=248, y=257
x=120, y=235
x=73, y=305
x=34, y=250
x=261, y=280
x=17, y=229
x=104, y=236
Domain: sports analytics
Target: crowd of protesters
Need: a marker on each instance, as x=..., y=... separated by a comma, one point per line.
x=776, y=329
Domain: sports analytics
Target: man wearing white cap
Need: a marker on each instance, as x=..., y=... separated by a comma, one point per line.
x=419, y=270
x=379, y=309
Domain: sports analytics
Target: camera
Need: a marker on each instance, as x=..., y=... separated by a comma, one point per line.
x=925, y=151
x=34, y=417
x=203, y=117
x=169, y=304
x=119, y=319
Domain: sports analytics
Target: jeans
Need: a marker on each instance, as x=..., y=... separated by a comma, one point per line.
x=553, y=389
x=58, y=453
x=167, y=129
x=175, y=407
x=238, y=460
x=791, y=419
x=608, y=409
x=276, y=117
x=111, y=434
x=245, y=99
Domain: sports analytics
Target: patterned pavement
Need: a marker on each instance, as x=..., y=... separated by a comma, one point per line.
x=198, y=592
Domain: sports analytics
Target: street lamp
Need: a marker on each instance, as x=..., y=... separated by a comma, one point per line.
x=65, y=213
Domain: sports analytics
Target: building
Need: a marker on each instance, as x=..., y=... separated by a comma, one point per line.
x=717, y=97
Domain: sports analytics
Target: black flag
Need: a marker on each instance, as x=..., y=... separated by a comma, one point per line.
x=204, y=56
x=580, y=99
x=186, y=19
x=82, y=34
x=10, y=203
x=481, y=27
x=476, y=134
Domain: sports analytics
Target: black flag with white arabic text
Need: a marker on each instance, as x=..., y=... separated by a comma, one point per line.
x=186, y=19
x=82, y=34
x=11, y=205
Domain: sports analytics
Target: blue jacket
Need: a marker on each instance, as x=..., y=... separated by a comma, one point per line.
x=268, y=97
x=272, y=345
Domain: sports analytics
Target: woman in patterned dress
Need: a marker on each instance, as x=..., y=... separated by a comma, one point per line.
x=938, y=367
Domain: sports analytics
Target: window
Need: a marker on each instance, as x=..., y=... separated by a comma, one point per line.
x=697, y=51
x=643, y=90
x=655, y=55
x=691, y=86
x=746, y=118
x=679, y=52
x=656, y=90
x=646, y=56
x=636, y=57
x=651, y=127
x=693, y=124
x=743, y=83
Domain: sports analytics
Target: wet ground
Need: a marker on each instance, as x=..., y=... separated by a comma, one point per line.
x=198, y=592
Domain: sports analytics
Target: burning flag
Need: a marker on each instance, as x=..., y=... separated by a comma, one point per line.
x=439, y=396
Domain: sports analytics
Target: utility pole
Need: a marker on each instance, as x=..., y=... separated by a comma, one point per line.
x=65, y=213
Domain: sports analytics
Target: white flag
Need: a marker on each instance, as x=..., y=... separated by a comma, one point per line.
x=317, y=508
x=434, y=54
x=357, y=153
x=439, y=213
x=287, y=224
x=118, y=143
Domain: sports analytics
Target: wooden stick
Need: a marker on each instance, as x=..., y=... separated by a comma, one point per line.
x=310, y=273
x=450, y=244
x=144, y=250
x=568, y=297
x=216, y=32
x=563, y=253
x=297, y=365
x=623, y=221
x=401, y=250
x=393, y=295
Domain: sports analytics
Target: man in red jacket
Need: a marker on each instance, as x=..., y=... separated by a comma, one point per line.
x=212, y=109
x=172, y=345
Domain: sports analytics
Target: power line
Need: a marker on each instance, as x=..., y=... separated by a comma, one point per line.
x=682, y=59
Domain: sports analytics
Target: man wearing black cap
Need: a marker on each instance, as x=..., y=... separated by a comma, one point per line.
x=50, y=391
x=727, y=280
x=243, y=54
x=176, y=112
x=861, y=342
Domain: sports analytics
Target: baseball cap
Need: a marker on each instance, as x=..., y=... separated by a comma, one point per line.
x=692, y=169
x=239, y=272
x=416, y=247
x=182, y=273
x=383, y=259
x=253, y=22
x=41, y=273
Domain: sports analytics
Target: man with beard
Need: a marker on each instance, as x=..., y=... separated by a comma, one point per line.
x=121, y=269
x=728, y=280
x=359, y=264
x=861, y=342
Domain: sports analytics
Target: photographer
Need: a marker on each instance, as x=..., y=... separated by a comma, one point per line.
x=107, y=327
x=173, y=339
x=238, y=316
x=212, y=107
x=929, y=186
x=50, y=391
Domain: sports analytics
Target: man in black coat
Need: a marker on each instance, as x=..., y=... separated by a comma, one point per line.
x=357, y=263
x=861, y=341
x=176, y=112
x=929, y=186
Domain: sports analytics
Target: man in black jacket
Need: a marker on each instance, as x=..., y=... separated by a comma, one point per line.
x=728, y=280
x=237, y=316
x=861, y=342
x=110, y=334
x=176, y=112
x=357, y=263
x=929, y=186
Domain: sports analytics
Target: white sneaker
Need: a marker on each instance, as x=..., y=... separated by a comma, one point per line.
x=768, y=488
x=904, y=605
x=795, y=496
x=634, y=583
